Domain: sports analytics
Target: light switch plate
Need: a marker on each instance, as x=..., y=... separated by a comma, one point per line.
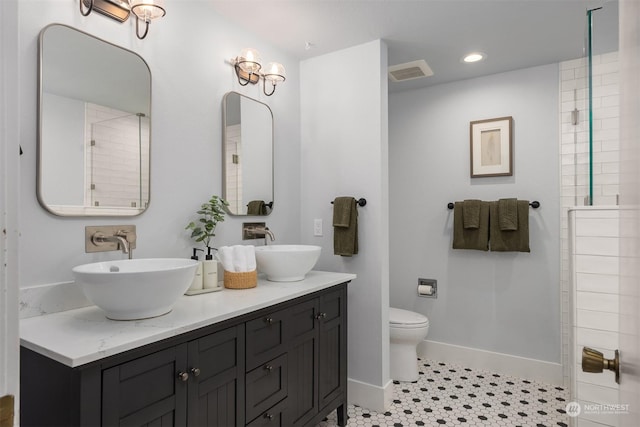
x=317, y=227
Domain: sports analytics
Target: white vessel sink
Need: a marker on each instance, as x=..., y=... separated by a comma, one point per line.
x=135, y=288
x=286, y=263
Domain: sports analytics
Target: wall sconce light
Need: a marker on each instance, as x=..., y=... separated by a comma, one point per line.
x=144, y=10
x=248, y=66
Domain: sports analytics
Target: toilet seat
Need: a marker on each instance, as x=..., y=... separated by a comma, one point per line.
x=405, y=319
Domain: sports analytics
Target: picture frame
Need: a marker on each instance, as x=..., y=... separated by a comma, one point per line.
x=491, y=147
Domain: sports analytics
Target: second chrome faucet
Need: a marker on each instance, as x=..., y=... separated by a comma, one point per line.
x=256, y=230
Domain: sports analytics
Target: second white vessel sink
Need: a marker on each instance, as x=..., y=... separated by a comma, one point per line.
x=286, y=263
x=136, y=288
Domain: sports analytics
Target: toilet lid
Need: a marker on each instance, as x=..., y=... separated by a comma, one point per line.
x=398, y=316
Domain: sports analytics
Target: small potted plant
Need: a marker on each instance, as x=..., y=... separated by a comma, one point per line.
x=211, y=213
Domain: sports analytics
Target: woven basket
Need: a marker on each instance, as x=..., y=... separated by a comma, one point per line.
x=240, y=280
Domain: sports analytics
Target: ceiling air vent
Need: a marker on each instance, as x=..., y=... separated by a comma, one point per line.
x=409, y=71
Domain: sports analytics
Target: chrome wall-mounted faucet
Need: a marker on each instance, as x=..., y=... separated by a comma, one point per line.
x=256, y=230
x=110, y=238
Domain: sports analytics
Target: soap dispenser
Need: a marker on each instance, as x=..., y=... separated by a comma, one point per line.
x=210, y=272
x=197, y=283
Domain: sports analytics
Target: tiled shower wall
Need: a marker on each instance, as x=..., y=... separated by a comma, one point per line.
x=120, y=178
x=574, y=155
x=233, y=170
x=594, y=258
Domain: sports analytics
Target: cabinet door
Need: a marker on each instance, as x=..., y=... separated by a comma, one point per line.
x=302, y=333
x=332, y=346
x=216, y=379
x=146, y=391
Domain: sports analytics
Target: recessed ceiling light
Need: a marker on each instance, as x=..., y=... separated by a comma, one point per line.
x=474, y=57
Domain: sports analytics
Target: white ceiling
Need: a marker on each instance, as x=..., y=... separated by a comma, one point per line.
x=513, y=33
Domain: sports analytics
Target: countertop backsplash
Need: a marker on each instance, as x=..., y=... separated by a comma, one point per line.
x=51, y=298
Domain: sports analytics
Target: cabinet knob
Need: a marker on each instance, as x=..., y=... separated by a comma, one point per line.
x=268, y=416
x=268, y=368
x=183, y=376
x=269, y=320
x=321, y=316
x=195, y=371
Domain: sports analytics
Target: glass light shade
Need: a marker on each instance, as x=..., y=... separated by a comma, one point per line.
x=146, y=10
x=249, y=60
x=275, y=72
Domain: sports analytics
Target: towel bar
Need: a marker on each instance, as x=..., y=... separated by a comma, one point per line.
x=535, y=205
x=362, y=202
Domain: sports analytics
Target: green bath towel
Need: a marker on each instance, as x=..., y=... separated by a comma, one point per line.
x=512, y=240
x=345, y=226
x=471, y=238
x=508, y=214
x=471, y=214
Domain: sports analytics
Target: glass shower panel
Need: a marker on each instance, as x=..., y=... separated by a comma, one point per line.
x=118, y=163
x=600, y=168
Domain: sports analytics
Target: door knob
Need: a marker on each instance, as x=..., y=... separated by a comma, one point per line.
x=183, y=376
x=594, y=361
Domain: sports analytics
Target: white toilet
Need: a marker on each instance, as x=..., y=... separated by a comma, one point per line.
x=406, y=330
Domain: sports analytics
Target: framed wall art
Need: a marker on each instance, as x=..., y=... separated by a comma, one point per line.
x=491, y=147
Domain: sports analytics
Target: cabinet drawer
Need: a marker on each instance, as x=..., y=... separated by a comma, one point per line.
x=272, y=417
x=265, y=338
x=266, y=385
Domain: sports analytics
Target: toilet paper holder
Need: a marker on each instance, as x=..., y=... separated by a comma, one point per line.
x=427, y=288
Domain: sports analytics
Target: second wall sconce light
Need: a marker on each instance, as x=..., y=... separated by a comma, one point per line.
x=144, y=10
x=248, y=69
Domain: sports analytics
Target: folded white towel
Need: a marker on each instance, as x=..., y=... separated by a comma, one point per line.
x=251, y=257
x=238, y=258
x=225, y=256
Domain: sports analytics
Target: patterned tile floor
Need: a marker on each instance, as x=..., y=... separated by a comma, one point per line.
x=450, y=395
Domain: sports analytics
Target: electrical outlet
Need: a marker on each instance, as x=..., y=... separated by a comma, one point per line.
x=317, y=227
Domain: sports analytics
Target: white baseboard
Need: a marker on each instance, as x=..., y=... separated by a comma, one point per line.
x=501, y=363
x=372, y=397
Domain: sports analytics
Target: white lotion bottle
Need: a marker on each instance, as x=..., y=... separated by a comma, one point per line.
x=197, y=283
x=210, y=272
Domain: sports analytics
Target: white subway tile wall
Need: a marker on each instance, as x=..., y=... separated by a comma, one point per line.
x=117, y=146
x=574, y=156
x=595, y=304
x=234, y=169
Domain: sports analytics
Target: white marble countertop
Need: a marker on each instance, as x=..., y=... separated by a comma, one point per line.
x=84, y=335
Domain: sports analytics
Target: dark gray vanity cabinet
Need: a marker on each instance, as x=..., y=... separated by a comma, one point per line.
x=283, y=365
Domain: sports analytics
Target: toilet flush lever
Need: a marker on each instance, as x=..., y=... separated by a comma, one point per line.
x=593, y=361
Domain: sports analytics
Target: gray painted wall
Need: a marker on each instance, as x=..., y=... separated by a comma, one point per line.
x=344, y=153
x=501, y=302
x=190, y=75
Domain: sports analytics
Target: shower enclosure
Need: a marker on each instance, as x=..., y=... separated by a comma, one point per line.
x=117, y=163
x=590, y=187
x=595, y=116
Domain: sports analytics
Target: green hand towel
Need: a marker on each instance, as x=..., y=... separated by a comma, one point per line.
x=471, y=238
x=508, y=214
x=471, y=214
x=342, y=211
x=513, y=240
x=256, y=207
x=345, y=238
